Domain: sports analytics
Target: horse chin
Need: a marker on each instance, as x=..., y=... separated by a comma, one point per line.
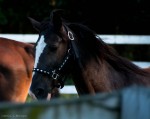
x=48, y=97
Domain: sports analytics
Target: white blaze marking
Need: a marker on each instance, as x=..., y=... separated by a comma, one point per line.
x=39, y=49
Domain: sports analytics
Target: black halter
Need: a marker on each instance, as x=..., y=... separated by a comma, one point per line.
x=56, y=73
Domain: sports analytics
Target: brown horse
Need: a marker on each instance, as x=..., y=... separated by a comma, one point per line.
x=16, y=64
x=75, y=51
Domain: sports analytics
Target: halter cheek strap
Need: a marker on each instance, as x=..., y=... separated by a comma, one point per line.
x=72, y=41
x=56, y=73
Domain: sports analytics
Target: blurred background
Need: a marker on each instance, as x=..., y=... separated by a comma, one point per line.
x=103, y=16
x=125, y=17
x=115, y=17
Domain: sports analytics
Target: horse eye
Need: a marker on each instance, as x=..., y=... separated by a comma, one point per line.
x=52, y=48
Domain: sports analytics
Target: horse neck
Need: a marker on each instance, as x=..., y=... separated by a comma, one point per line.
x=103, y=77
x=91, y=79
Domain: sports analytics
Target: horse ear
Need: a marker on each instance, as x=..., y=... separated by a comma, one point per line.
x=56, y=18
x=35, y=24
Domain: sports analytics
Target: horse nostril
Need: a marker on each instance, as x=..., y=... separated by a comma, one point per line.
x=39, y=92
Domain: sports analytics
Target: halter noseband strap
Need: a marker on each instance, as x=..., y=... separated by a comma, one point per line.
x=55, y=74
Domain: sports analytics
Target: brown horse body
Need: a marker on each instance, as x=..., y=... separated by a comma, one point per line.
x=70, y=49
x=16, y=64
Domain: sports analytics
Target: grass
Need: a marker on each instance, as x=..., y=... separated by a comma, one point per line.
x=63, y=96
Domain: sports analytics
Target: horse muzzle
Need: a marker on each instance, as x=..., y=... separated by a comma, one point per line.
x=34, y=97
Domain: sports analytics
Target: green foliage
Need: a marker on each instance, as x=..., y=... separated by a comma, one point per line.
x=118, y=20
x=63, y=96
x=14, y=13
x=68, y=96
x=3, y=19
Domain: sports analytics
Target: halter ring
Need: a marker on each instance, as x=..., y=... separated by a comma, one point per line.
x=54, y=75
x=70, y=35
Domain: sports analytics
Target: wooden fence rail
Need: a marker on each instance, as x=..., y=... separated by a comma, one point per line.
x=110, y=39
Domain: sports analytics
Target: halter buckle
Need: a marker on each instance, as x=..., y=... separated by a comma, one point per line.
x=54, y=75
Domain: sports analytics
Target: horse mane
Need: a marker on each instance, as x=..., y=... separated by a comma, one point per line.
x=94, y=46
x=91, y=46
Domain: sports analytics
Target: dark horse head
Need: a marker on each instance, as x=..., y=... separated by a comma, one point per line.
x=52, y=55
x=71, y=49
